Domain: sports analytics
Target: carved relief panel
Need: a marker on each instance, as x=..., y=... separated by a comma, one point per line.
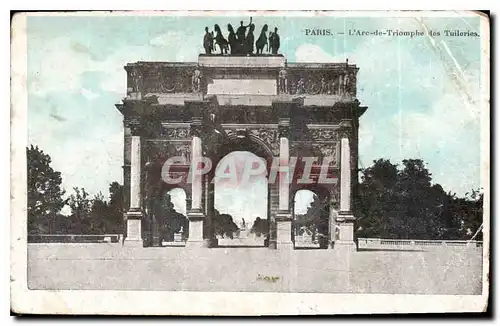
x=181, y=79
x=324, y=82
x=162, y=150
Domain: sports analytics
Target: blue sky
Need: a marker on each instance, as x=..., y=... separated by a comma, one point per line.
x=422, y=102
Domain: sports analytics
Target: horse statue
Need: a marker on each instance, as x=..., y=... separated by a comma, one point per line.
x=262, y=40
x=220, y=40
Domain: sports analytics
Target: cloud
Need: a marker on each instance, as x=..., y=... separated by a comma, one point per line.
x=57, y=65
x=313, y=53
x=416, y=109
x=88, y=94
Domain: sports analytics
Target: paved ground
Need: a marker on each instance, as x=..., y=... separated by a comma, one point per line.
x=111, y=266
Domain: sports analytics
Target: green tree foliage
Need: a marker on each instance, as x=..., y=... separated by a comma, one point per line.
x=116, y=208
x=224, y=225
x=81, y=210
x=170, y=220
x=45, y=195
x=260, y=227
x=96, y=215
x=315, y=220
x=395, y=202
x=316, y=217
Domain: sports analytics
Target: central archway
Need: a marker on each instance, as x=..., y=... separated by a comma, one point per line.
x=241, y=200
x=243, y=197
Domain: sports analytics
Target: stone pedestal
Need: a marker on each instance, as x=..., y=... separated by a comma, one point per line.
x=284, y=231
x=345, y=219
x=345, y=240
x=195, y=239
x=177, y=237
x=134, y=229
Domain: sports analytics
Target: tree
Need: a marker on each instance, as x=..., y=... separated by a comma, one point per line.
x=403, y=203
x=260, y=227
x=316, y=217
x=377, y=195
x=81, y=208
x=466, y=214
x=45, y=195
x=170, y=220
x=116, y=208
x=224, y=225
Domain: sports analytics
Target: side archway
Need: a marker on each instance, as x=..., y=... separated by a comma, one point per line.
x=311, y=217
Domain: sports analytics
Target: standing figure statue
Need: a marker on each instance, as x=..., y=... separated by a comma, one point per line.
x=196, y=81
x=208, y=41
x=220, y=40
x=324, y=86
x=283, y=82
x=347, y=82
x=274, y=41
x=137, y=80
x=262, y=40
x=231, y=38
x=249, y=40
x=240, y=32
x=301, y=87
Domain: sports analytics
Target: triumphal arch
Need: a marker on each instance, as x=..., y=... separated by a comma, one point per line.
x=303, y=115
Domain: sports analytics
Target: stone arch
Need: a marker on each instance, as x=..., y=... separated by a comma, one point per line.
x=323, y=222
x=246, y=142
x=158, y=210
x=251, y=211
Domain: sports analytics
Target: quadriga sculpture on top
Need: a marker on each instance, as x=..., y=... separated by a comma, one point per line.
x=241, y=42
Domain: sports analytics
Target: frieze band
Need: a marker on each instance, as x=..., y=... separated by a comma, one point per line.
x=289, y=80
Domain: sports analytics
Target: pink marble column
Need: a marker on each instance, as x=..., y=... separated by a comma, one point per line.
x=195, y=214
x=134, y=215
x=284, y=217
x=345, y=218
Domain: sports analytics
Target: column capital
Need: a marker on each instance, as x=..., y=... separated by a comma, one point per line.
x=345, y=129
x=284, y=129
x=196, y=129
x=134, y=123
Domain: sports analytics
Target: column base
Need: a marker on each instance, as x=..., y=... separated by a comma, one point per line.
x=288, y=245
x=284, y=231
x=271, y=244
x=193, y=244
x=195, y=238
x=344, y=246
x=134, y=229
x=133, y=243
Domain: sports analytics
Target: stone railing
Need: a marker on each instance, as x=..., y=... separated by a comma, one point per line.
x=75, y=238
x=403, y=244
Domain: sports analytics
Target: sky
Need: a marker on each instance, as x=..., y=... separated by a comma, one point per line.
x=422, y=93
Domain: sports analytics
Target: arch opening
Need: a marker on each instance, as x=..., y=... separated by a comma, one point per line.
x=172, y=217
x=241, y=200
x=311, y=216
